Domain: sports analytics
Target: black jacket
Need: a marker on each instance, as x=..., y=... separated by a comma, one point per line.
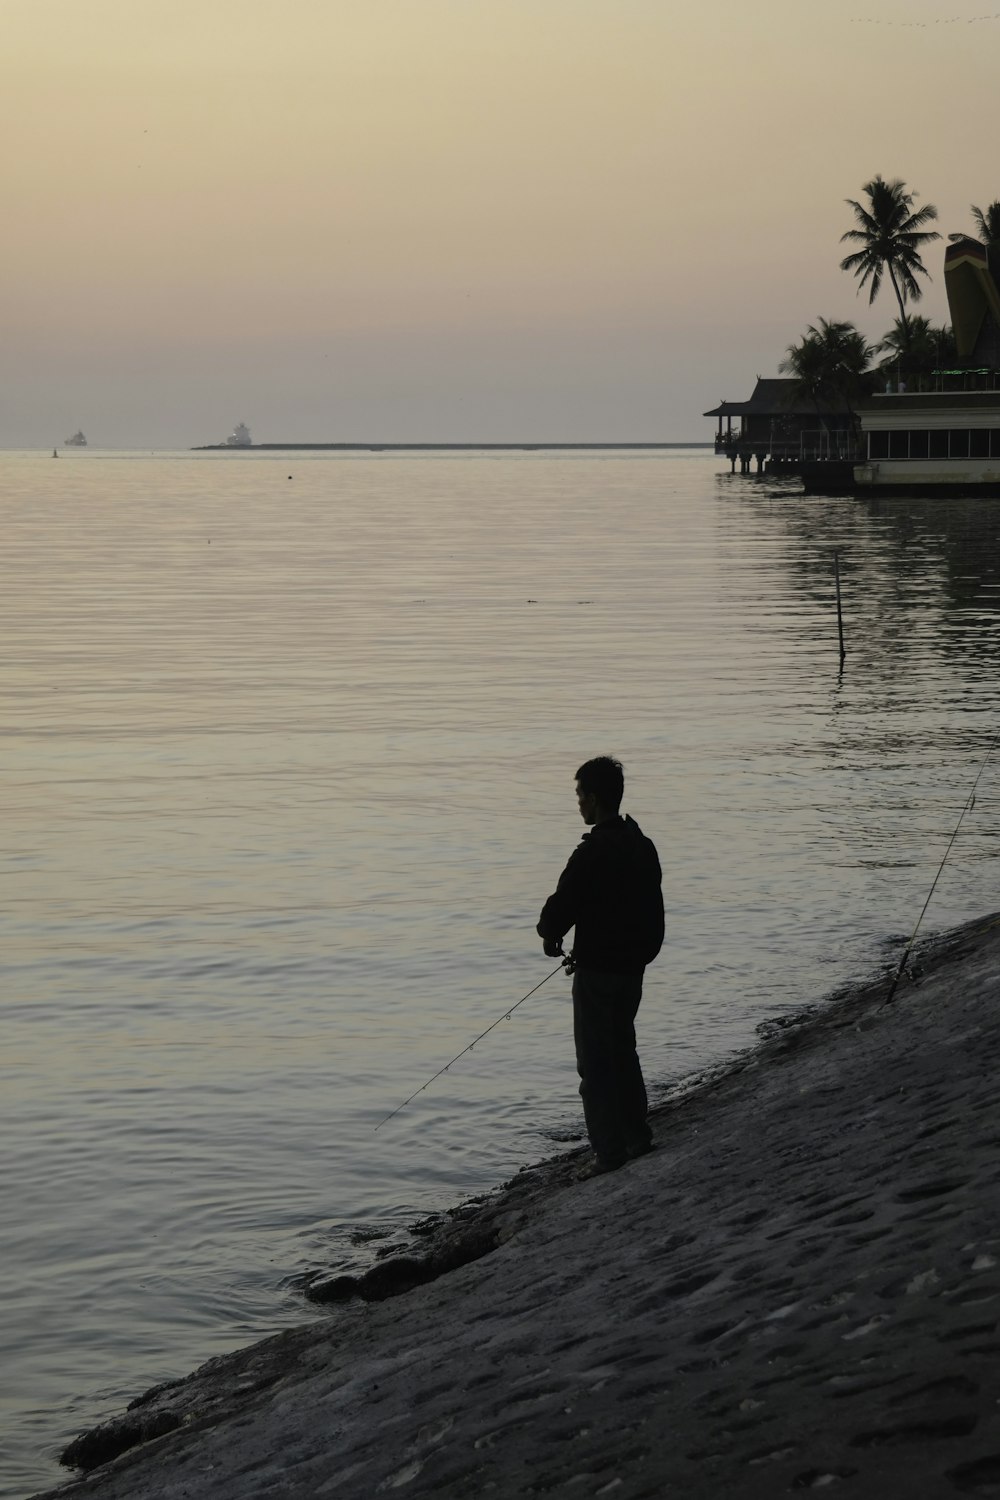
x=610, y=892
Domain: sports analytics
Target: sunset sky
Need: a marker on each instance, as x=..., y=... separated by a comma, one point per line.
x=454, y=219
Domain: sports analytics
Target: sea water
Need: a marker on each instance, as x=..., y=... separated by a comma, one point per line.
x=289, y=745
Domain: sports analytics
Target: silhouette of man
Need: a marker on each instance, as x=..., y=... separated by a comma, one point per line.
x=610, y=891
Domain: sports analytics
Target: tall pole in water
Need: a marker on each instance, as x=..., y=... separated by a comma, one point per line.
x=840, y=613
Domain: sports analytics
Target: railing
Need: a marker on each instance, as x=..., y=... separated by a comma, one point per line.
x=820, y=444
x=944, y=381
x=809, y=445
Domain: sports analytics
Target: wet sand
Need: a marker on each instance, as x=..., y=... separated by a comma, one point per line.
x=799, y=1289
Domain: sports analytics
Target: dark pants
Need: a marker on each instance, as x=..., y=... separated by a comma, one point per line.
x=612, y=1087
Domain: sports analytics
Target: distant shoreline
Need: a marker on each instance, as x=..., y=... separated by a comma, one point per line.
x=430, y=447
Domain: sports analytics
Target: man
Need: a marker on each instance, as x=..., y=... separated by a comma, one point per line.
x=610, y=891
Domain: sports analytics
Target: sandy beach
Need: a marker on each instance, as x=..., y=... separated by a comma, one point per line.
x=799, y=1289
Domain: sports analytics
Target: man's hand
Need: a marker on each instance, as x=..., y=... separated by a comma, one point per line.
x=552, y=947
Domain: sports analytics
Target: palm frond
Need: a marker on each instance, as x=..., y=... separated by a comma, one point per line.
x=987, y=222
x=891, y=230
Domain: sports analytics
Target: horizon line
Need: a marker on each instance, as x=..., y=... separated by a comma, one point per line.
x=371, y=447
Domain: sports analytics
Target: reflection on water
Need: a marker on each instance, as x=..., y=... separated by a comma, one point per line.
x=290, y=770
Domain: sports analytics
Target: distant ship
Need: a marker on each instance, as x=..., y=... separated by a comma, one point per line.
x=239, y=437
x=76, y=441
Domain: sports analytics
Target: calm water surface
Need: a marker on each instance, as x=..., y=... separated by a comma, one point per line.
x=289, y=747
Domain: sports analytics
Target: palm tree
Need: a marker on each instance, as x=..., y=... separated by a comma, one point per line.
x=830, y=365
x=988, y=223
x=890, y=234
x=916, y=348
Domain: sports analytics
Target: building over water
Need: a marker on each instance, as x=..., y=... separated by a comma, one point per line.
x=941, y=435
x=777, y=427
x=929, y=429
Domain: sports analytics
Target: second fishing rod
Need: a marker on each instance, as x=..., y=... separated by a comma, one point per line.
x=967, y=806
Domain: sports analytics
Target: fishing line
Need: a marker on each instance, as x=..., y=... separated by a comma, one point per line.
x=505, y=1017
x=970, y=802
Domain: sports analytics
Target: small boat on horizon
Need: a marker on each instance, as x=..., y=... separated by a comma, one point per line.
x=76, y=441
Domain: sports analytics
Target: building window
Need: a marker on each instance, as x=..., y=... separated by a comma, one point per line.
x=956, y=442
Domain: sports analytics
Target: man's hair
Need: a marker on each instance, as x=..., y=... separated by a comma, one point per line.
x=604, y=778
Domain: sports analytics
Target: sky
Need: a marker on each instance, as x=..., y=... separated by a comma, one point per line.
x=454, y=220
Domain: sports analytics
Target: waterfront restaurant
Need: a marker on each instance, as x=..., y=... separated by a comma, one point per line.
x=941, y=436
x=778, y=429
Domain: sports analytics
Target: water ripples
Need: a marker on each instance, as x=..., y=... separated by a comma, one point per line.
x=290, y=773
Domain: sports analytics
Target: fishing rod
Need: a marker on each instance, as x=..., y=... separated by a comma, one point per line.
x=567, y=959
x=970, y=803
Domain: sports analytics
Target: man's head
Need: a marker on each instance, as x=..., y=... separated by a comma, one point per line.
x=600, y=786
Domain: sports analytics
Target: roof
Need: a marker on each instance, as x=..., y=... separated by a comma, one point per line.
x=970, y=278
x=915, y=402
x=771, y=398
